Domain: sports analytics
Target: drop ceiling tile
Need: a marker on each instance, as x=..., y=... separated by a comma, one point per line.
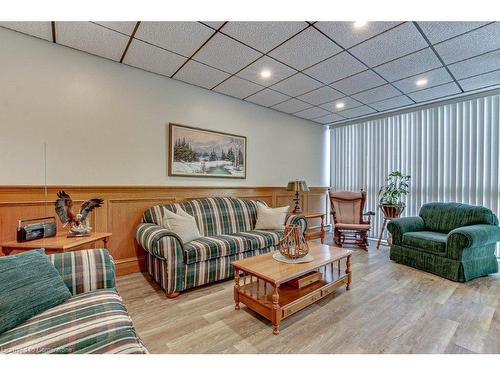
x=438, y=31
x=476, y=42
x=200, y=75
x=332, y=117
x=345, y=34
x=267, y=98
x=335, y=68
x=322, y=95
x=481, y=81
x=347, y=101
x=278, y=71
x=226, y=54
x=291, y=106
x=262, y=36
x=434, y=78
x=401, y=40
x=214, y=24
x=409, y=65
x=476, y=65
x=154, y=59
x=296, y=85
x=91, y=38
x=311, y=113
x=237, y=87
x=356, y=112
x=435, y=92
x=180, y=37
x=305, y=49
x=359, y=82
x=399, y=101
x=121, y=27
x=41, y=30
x=377, y=94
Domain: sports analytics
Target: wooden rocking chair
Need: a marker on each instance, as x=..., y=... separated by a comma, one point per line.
x=350, y=227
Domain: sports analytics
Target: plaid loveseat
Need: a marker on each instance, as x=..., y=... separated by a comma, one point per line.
x=94, y=320
x=228, y=229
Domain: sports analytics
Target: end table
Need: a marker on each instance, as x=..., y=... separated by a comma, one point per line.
x=315, y=233
x=57, y=244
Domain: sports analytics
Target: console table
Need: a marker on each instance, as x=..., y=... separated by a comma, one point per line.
x=57, y=244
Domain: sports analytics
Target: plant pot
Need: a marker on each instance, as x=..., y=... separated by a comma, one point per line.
x=391, y=211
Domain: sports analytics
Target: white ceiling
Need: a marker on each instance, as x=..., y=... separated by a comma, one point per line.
x=314, y=65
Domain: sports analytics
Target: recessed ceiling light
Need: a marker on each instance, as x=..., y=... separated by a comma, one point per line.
x=421, y=82
x=339, y=105
x=359, y=24
x=266, y=73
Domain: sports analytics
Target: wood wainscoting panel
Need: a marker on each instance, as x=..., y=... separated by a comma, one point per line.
x=123, y=208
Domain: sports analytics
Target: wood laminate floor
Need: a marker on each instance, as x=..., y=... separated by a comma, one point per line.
x=390, y=308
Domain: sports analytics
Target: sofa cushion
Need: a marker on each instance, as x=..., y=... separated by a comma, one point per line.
x=433, y=242
x=211, y=247
x=444, y=217
x=214, y=216
x=29, y=284
x=94, y=322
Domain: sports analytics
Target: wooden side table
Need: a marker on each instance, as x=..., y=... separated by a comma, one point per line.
x=319, y=232
x=58, y=244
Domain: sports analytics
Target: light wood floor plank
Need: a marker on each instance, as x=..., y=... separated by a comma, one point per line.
x=390, y=308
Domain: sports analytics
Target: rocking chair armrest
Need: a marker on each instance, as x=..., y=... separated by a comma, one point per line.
x=369, y=214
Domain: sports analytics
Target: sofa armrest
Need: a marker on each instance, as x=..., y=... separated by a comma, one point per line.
x=158, y=241
x=85, y=270
x=297, y=219
x=471, y=236
x=398, y=227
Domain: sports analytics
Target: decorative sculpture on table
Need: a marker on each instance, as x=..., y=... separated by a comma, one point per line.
x=79, y=223
x=293, y=244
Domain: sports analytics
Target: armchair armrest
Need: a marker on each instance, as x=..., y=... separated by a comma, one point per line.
x=471, y=236
x=398, y=227
x=85, y=270
x=297, y=219
x=159, y=241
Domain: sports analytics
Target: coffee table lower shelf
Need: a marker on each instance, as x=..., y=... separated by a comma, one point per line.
x=279, y=302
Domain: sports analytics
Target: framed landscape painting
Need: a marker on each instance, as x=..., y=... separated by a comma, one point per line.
x=195, y=152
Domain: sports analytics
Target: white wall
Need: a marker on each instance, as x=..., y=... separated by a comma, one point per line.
x=106, y=123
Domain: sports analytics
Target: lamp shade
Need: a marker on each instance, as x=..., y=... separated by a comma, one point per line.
x=297, y=185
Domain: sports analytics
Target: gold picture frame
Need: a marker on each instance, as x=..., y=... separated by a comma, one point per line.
x=197, y=152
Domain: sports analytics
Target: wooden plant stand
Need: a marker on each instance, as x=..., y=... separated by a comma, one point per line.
x=389, y=214
x=261, y=282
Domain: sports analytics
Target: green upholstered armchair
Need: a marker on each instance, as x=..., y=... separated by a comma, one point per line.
x=453, y=240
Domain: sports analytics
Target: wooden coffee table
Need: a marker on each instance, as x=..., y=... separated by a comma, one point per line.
x=260, y=282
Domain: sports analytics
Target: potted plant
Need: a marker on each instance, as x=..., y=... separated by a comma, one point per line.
x=392, y=194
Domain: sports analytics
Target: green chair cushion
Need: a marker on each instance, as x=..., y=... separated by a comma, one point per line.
x=444, y=217
x=30, y=284
x=433, y=242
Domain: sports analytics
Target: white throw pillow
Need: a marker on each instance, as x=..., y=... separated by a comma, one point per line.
x=182, y=224
x=271, y=218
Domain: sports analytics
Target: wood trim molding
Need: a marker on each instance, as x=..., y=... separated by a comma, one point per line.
x=124, y=206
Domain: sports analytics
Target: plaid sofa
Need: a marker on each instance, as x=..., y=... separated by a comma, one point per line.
x=94, y=320
x=227, y=226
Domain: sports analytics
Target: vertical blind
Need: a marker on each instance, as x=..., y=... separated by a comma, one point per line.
x=451, y=151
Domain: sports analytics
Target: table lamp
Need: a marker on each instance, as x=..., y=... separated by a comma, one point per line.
x=299, y=187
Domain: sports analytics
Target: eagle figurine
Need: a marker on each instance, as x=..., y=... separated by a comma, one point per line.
x=79, y=225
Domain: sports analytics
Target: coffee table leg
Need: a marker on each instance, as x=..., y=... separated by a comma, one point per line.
x=236, y=289
x=348, y=272
x=276, y=311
